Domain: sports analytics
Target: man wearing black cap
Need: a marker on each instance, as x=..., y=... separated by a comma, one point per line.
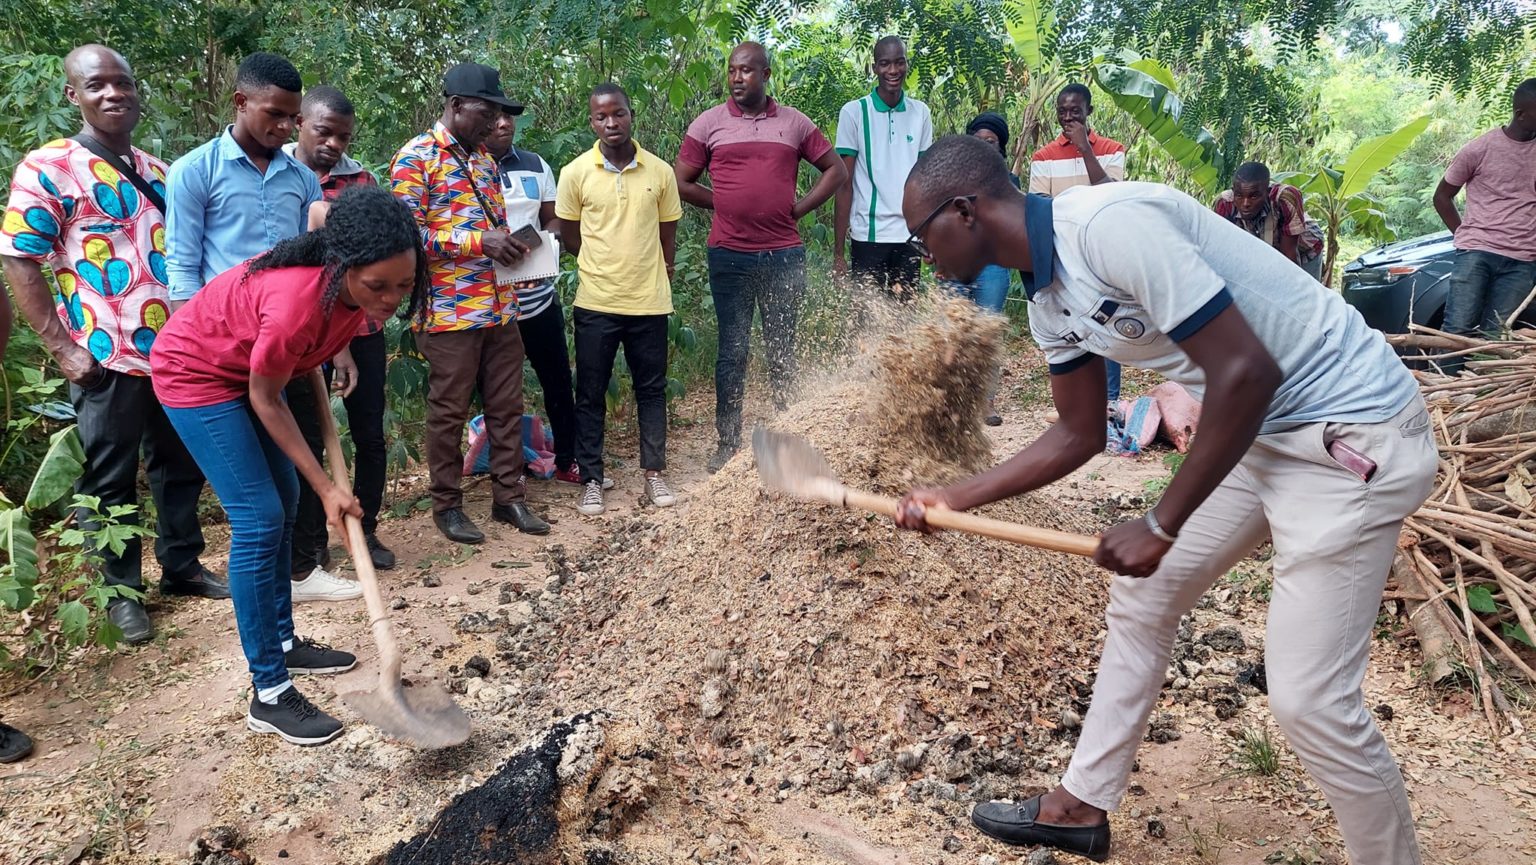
x=467, y=330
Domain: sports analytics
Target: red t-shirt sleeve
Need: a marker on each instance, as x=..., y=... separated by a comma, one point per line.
x=282, y=320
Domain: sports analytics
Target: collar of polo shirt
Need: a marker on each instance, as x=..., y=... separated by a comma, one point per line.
x=880, y=106
x=1041, y=232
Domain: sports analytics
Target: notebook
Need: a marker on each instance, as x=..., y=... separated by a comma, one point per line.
x=542, y=262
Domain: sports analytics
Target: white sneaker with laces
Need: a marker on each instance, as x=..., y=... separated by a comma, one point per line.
x=591, y=499
x=322, y=585
x=658, y=492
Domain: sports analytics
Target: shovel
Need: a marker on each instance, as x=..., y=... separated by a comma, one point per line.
x=424, y=714
x=790, y=464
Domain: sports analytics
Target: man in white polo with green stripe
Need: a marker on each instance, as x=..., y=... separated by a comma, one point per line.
x=879, y=136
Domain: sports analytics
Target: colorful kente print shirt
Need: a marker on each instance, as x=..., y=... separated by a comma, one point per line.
x=104, y=241
x=437, y=179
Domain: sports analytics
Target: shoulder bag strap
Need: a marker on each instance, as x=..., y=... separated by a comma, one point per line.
x=90, y=143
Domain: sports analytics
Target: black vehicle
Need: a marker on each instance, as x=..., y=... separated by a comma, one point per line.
x=1405, y=282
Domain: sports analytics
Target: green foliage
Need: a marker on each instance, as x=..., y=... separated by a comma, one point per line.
x=61, y=465
x=1257, y=754
x=1144, y=90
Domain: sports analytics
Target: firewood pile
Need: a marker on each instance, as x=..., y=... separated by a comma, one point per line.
x=1466, y=563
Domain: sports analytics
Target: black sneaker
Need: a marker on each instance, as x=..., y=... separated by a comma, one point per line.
x=14, y=744
x=379, y=554
x=309, y=658
x=294, y=718
x=723, y=454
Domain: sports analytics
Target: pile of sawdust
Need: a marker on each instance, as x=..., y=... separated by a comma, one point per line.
x=807, y=645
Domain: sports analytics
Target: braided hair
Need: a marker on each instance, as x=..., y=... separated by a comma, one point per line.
x=366, y=225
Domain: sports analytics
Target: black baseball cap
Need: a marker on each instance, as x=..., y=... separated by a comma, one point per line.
x=477, y=81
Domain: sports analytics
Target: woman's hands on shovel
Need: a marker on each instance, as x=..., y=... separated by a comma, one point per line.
x=339, y=504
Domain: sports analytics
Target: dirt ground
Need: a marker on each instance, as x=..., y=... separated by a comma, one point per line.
x=140, y=753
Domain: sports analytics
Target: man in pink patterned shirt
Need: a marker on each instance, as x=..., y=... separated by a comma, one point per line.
x=102, y=233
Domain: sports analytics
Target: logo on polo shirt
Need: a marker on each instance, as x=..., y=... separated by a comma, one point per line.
x=1130, y=328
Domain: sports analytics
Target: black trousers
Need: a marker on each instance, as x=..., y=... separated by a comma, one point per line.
x=311, y=540
x=544, y=344
x=365, y=421
x=891, y=267
x=117, y=419
x=598, y=338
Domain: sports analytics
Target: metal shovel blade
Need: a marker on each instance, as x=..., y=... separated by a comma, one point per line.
x=790, y=464
x=423, y=715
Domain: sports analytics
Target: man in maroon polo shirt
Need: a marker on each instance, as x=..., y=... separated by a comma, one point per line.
x=752, y=147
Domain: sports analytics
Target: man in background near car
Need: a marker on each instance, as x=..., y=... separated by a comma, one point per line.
x=1078, y=157
x=1496, y=241
x=1274, y=213
x=103, y=237
x=752, y=147
x=879, y=136
x=327, y=121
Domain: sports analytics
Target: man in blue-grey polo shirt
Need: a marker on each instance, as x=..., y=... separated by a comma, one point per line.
x=234, y=198
x=1313, y=435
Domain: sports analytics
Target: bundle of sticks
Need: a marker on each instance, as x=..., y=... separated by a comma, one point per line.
x=1466, y=563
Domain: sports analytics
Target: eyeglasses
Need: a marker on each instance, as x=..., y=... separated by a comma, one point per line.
x=916, y=240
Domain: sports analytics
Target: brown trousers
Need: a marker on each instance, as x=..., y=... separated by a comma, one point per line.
x=459, y=360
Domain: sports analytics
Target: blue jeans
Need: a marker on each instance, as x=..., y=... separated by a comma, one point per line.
x=1485, y=288
x=259, y=489
x=741, y=284
x=989, y=291
x=1112, y=378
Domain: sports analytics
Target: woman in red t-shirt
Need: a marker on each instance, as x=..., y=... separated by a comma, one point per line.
x=220, y=365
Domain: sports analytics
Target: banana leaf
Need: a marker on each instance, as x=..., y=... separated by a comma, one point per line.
x=1029, y=24
x=1156, y=108
x=1371, y=156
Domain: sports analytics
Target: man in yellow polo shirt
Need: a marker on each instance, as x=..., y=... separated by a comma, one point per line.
x=618, y=206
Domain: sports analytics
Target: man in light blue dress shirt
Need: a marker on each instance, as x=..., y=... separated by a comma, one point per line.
x=238, y=195
x=230, y=200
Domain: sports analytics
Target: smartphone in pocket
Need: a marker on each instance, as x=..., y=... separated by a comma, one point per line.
x=528, y=236
x=1361, y=465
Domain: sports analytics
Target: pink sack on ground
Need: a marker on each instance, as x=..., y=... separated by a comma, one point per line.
x=1181, y=413
x=1141, y=422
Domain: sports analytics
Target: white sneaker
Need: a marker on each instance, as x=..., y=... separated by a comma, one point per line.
x=591, y=499
x=658, y=492
x=321, y=585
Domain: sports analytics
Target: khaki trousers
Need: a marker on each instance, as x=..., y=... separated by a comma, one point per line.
x=1334, y=538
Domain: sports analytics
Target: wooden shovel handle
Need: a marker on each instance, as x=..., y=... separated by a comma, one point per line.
x=1045, y=539
x=357, y=545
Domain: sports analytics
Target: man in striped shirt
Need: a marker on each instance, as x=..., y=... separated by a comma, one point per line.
x=1078, y=157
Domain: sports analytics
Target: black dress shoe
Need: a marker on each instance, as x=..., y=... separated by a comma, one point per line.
x=379, y=554
x=202, y=583
x=14, y=744
x=457, y=528
x=1014, y=823
x=130, y=618
x=522, y=516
